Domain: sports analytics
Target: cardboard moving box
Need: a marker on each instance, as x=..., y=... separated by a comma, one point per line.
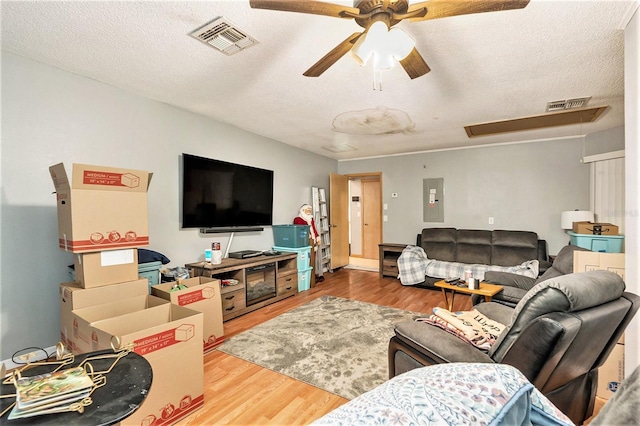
x=73, y=296
x=611, y=374
x=203, y=295
x=595, y=228
x=170, y=338
x=584, y=261
x=83, y=335
x=101, y=208
x=106, y=267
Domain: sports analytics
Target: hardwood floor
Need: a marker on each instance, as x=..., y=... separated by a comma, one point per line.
x=238, y=392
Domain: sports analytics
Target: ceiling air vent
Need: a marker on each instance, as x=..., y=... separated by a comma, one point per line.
x=224, y=36
x=567, y=104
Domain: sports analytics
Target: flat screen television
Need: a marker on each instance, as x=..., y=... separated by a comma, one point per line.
x=217, y=195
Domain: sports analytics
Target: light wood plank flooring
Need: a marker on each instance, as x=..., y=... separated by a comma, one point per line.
x=238, y=392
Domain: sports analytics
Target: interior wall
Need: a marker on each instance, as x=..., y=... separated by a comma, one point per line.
x=605, y=141
x=51, y=116
x=521, y=186
x=632, y=182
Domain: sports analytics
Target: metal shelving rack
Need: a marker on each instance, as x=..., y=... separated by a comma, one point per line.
x=321, y=217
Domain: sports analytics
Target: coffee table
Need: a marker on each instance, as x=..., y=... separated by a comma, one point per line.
x=486, y=290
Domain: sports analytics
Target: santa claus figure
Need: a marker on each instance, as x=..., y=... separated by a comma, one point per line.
x=305, y=217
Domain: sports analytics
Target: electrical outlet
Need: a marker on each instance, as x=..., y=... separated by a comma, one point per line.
x=491, y=221
x=28, y=357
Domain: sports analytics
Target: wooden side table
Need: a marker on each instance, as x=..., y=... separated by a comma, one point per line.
x=388, y=258
x=486, y=290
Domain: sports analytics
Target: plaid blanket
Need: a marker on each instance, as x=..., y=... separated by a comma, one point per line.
x=413, y=266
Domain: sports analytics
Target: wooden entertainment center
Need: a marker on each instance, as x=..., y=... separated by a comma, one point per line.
x=280, y=271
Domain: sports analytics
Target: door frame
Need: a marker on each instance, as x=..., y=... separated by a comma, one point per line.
x=368, y=176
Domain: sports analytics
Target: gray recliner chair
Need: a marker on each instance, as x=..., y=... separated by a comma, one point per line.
x=557, y=336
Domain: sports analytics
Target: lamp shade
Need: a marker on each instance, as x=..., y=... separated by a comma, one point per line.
x=567, y=218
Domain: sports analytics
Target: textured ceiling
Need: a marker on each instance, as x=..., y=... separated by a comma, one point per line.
x=484, y=67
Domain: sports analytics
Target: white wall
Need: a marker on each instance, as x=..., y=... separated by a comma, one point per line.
x=522, y=186
x=632, y=182
x=49, y=116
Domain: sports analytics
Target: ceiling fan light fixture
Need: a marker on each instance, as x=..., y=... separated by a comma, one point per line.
x=383, y=45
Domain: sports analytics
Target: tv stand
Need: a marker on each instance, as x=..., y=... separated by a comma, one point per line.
x=234, y=296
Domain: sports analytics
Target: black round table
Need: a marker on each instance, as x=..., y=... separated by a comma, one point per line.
x=127, y=386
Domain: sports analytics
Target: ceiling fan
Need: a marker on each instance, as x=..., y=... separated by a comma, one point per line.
x=374, y=16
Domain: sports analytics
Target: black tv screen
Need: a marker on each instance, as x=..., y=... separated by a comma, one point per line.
x=218, y=194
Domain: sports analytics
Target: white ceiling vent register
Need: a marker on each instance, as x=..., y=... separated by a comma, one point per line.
x=224, y=36
x=567, y=104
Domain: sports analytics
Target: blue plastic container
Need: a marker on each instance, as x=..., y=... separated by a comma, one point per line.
x=292, y=236
x=150, y=271
x=304, y=279
x=304, y=255
x=600, y=243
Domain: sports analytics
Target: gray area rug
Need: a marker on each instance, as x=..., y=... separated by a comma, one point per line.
x=336, y=344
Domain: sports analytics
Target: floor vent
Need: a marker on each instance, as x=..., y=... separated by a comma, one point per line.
x=567, y=104
x=224, y=36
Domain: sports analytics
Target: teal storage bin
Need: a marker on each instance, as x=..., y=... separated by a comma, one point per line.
x=150, y=271
x=599, y=243
x=304, y=255
x=304, y=279
x=292, y=236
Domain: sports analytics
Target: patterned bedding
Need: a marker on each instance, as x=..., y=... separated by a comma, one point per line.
x=451, y=394
x=414, y=266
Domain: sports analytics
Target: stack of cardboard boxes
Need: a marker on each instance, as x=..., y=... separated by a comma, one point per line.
x=594, y=236
x=611, y=374
x=102, y=220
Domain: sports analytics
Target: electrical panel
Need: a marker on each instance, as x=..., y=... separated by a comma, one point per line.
x=433, y=200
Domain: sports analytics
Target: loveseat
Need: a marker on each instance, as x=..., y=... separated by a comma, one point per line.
x=478, y=246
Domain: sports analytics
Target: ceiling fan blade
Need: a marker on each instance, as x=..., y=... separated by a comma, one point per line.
x=332, y=57
x=307, y=6
x=443, y=8
x=414, y=64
